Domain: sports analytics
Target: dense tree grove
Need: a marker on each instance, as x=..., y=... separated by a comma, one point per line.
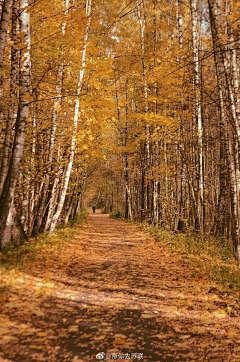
x=131, y=105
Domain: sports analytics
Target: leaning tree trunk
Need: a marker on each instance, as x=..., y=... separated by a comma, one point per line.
x=75, y=122
x=10, y=227
x=42, y=202
x=59, y=171
x=43, y=199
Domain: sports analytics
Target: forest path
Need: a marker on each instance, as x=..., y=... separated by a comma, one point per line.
x=112, y=289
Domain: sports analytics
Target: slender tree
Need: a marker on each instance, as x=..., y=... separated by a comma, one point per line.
x=10, y=226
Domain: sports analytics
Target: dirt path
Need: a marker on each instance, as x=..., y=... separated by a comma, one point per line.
x=113, y=290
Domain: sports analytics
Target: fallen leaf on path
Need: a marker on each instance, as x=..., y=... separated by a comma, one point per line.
x=33, y=346
x=146, y=315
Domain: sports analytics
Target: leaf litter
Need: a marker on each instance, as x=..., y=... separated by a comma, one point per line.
x=111, y=288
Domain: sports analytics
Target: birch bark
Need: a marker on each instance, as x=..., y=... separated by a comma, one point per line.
x=75, y=120
x=128, y=206
x=43, y=199
x=198, y=112
x=12, y=102
x=229, y=100
x=156, y=141
x=142, y=22
x=5, y=18
x=10, y=227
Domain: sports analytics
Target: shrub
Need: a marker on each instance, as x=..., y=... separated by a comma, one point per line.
x=116, y=215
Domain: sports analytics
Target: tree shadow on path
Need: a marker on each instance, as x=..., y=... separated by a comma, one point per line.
x=113, y=290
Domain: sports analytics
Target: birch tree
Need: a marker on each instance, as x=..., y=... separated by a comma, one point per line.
x=142, y=23
x=198, y=112
x=5, y=18
x=14, y=83
x=10, y=226
x=56, y=105
x=228, y=80
x=75, y=120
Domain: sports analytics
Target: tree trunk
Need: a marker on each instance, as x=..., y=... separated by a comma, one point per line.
x=229, y=100
x=10, y=227
x=146, y=169
x=5, y=18
x=13, y=97
x=198, y=112
x=75, y=121
x=42, y=202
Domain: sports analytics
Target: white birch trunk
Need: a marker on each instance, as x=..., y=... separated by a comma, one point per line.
x=54, y=192
x=180, y=25
x=155, y=186
x=10, y=228
x=227, y=75
x=75, y=121
x=31, y=203
x=198, y=113
x=12, y=102
x=5, y=18
x=142, y=22
x=42, y=202
x=156, y=142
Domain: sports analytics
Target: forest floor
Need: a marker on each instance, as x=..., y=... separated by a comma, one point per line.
x=112, y=289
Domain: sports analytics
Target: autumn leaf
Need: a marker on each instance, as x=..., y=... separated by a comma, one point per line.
x=33, y=346
x=147, y=315
x=42, y=334
x=38, y=313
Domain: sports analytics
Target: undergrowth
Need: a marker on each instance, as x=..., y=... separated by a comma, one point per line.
x=104, y=211
x=210, y=254
x=116, y=215
x=17, y=256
